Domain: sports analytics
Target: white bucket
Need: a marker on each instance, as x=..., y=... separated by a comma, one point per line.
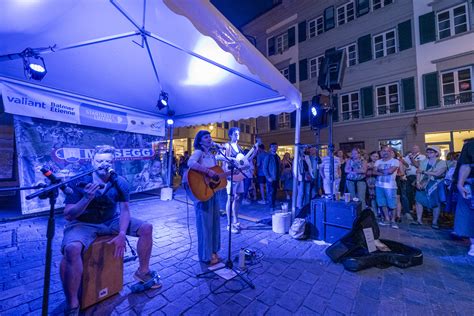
x=281, y=222
x=166, y=194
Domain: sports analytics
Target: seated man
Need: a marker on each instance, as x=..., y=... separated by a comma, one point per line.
x=92, y=211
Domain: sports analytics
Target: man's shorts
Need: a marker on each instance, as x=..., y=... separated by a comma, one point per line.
x=386, y=197
x=261, y=179
x=86, y=233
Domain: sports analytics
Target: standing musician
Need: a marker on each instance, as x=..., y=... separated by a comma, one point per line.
x=207, y=213
x=232, y=149
x=93, y=211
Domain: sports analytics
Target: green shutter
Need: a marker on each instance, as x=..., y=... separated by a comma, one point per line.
x=427, y=28
x=364, y=47
x=272, y=120
x=271, y=46
x=291, y=36
x=303, y=69
x=335, y=105
x=408, y=94
x=431, y=90
x=362, y=7
x=302, y=31
x=292, y=73
x=329, y=20
x=367, y=100
x=404, y=35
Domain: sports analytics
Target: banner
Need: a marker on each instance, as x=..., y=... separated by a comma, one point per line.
x=67, y=150
x=21, y=100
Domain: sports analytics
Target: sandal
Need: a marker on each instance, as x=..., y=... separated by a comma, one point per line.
x=150, y=276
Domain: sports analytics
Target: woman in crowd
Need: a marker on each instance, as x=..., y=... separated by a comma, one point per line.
x=286, y=166
x=356, y=169
x=370, y=179
x=325, y=173
x=342, y=162
x=452, y=196
x=401, y=179
x=429, y=175
x=304, y=179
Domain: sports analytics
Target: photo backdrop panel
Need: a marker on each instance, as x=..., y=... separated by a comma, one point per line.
x=67, y=150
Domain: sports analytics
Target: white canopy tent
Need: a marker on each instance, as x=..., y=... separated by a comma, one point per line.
x=123, y=53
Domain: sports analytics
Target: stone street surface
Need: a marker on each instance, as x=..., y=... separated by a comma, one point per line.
x=291, y=277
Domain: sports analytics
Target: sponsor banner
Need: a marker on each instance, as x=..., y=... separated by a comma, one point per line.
x=67, y=150
x=24, y=101
x=21, y=101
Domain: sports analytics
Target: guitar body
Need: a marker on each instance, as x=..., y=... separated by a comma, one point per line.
x=242, y=163
x=202, y=187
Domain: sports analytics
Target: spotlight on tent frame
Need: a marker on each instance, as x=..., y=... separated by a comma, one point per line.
x=34, y=67
x=163, y=100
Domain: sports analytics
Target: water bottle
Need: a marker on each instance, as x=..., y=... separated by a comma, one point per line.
x=242, y=259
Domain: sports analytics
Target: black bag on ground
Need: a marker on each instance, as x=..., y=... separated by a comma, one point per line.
x=352, y=250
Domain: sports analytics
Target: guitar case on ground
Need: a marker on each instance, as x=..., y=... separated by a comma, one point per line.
x=351, y=250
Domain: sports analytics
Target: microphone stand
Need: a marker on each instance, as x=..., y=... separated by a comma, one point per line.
x=51, y=192
x=229, y=264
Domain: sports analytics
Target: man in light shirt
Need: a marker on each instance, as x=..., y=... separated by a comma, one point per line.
x=386, y=185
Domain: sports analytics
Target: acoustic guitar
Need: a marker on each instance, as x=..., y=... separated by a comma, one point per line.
x=202, y=187
x=242, y=161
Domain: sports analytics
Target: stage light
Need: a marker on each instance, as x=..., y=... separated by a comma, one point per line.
x=34, y=67
x=314, y=111
x=163, y=100
x=170, y=121
x=319, y=114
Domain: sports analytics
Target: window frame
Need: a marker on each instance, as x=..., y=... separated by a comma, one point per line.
x=382, y=4
x=350, y=106
x=451, y=19
x=318, y=65
x=281, y=37
x=384, y=41
x=346, y=16
x=283, y=120
x=387, y=99
x=457, y=93
x=318, y=22
x=346, y=49
x=285, y=72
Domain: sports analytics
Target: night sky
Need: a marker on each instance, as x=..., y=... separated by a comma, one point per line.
x=240, y=12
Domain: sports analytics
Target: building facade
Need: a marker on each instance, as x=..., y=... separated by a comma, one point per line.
x=408, y=77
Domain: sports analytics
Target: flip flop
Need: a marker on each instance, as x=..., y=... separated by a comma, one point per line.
x=150, y=276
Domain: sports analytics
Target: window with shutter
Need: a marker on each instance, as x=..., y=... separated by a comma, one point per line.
x=303, y=65
x=329, y=20
x=408, y=92
x=362, y=7
x=452, y=21
x=364, y=46
x=291, y=36
x=457, y=86
x=345, y=13
x=404, y=35
x=367, y=100
x=301, y=31
x=350, y=107
x=427, y=28
x=271, y=46
x=387, y=98
x=431, y=90
x=305, y=113
x=384, y=44
x=292, y=73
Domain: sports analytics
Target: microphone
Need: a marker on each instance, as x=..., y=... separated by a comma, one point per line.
x=55, y=180
x=112, y=173
x=83, y=184
x=216, y=145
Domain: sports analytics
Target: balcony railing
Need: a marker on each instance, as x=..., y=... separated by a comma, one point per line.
x=350, y=115
x=455, y=99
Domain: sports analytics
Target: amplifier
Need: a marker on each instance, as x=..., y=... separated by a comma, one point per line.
x=103, y=273
x=330, y=220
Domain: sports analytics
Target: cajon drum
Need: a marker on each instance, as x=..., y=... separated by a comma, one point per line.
x=103, y=273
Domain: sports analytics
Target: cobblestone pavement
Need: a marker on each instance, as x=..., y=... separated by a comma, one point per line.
x=293, y=277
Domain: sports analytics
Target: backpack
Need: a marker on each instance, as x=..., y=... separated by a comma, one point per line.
x=297, y=228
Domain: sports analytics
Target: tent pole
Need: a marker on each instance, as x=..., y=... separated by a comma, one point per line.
x=170, y=158
x=295, y=162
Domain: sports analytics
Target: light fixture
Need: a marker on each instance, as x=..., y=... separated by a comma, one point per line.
x=33, y=64
x=163, y=100
x=314, y=111
x=170, y=121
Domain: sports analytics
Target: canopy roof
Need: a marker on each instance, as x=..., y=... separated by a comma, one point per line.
x=125, y=52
